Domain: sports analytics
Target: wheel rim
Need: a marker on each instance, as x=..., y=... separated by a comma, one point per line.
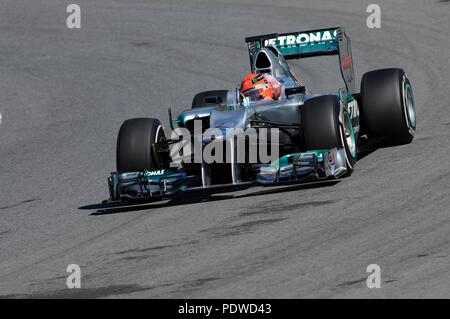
x=409, y=105
x=349, y=135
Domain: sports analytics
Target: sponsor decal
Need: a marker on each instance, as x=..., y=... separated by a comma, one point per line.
x=353, y=109
x=330, y=162
x=307, y=38
x=332, y=158
x=154, y=173
x=346, y=62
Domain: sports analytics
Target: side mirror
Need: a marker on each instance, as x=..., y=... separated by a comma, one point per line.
x=295, y=90
x=213, y=100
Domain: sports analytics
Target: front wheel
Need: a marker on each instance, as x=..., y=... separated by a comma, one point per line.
x=136, y=145
x=349, y=142
x=322, y=128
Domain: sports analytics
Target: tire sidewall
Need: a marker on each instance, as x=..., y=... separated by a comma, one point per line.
x=349, y=157
x=407, y=92
x=158, y=160
x=136, y=145
x=387, y=97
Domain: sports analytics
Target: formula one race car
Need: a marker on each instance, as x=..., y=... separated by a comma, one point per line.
x=317, y=135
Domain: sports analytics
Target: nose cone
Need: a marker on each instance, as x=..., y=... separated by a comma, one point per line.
x=228, y=119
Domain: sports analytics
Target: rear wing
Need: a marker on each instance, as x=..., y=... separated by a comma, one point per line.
x=297, y=45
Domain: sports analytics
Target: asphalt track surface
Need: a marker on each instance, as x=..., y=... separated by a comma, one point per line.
x=64, y=94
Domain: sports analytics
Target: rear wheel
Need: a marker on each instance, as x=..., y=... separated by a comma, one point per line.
x=388, y=108
x=323, y=130
x=136, y=145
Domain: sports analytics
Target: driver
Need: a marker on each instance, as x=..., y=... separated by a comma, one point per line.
x=258, y=87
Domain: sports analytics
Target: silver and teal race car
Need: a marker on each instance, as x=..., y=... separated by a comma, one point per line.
x=317, y=136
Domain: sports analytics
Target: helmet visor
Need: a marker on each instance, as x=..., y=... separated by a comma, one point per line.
x=253, y=94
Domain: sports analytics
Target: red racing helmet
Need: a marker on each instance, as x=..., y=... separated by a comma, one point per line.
x=260, y=87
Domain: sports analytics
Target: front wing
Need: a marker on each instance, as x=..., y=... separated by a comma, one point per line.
x=167, y=183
